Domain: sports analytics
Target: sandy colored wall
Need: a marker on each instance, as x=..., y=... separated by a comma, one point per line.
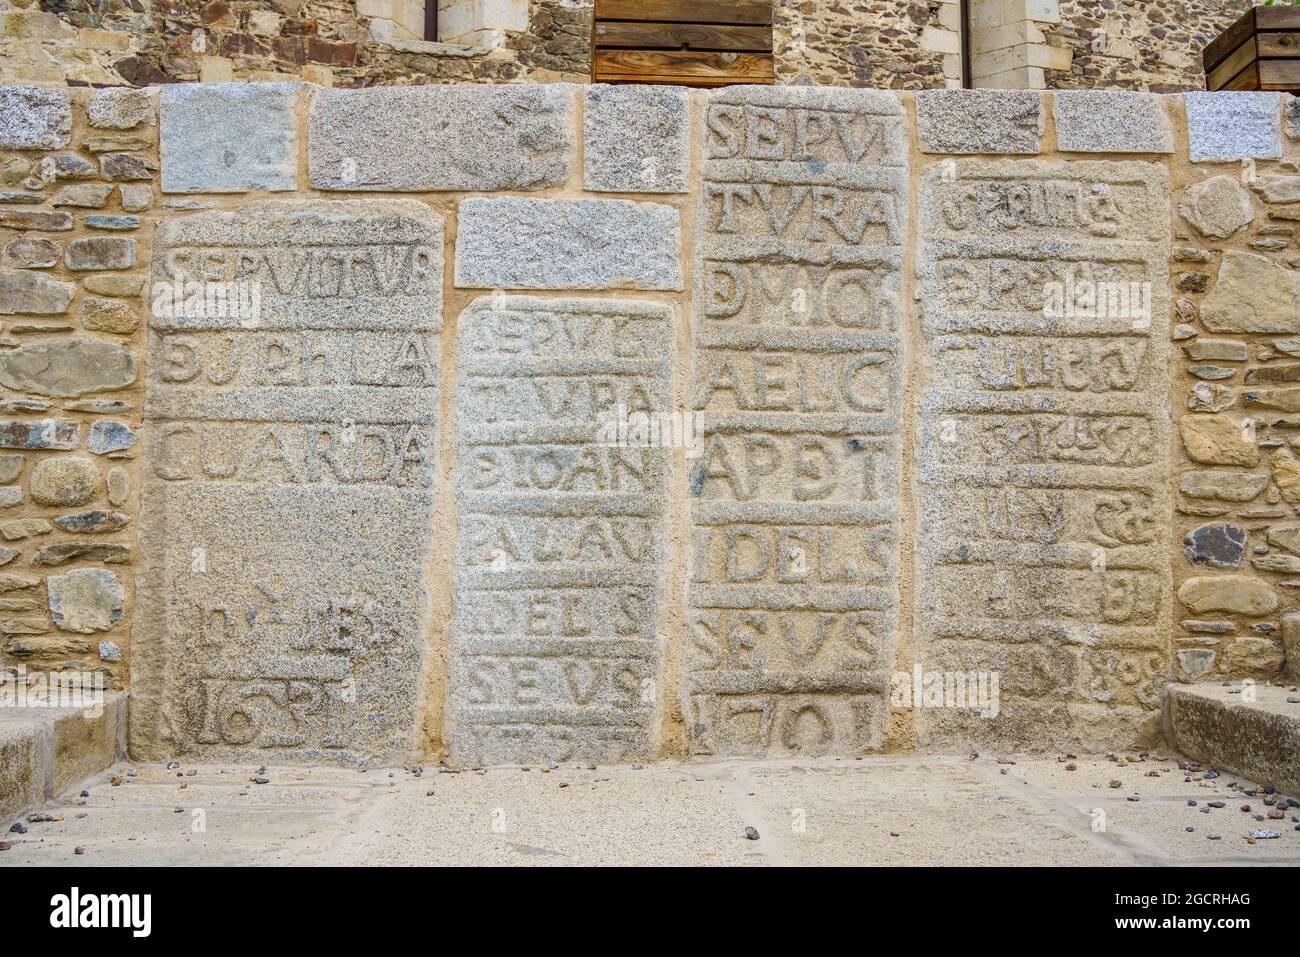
x=383, y=515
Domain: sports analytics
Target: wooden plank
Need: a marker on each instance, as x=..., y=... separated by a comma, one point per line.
x=693, y=81
x=1285, y=45
x=676, y=36
x=1241, y=57
x=1277, y=18
x=663, y=63
x=1247, y=79
x=1279, y=75
x=1228, y=41
x=754, y=12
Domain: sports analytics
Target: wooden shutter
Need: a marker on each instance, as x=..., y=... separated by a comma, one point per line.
x=683, y=42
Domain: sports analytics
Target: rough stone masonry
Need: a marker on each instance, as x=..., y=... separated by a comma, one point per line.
x=521, y=424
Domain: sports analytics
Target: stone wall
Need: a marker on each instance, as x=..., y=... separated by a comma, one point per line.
x=1154, y=45
x=883, y=44
x=346, y=43
x=605, y=423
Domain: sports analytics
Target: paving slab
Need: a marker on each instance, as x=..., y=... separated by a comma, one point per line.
x=894, y=811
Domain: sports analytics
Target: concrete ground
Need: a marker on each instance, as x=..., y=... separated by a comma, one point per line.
x=914, y=810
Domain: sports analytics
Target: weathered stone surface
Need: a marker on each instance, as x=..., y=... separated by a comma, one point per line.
x=1217, y=350
x=1031, y=477
x=442, y=137
x=108, y=315
x=979, y=121
x=111, y=221
x=61, y=553
x=123, y=167
x=114, y=285
x=42, y=222
x=636, y=139
x=1233, y=126
x=567, y=244
x=119, y=109
x=59, y=434
x=1196, y=661
x=24, y=755
x=796, y=385
x=1224, y=486
x=11, y=466
x=1232, y=594
x=71, y=166
x=1212, y=439
x=33, y=292
x=66, y=368
x=1218, y=207
x=86, y=600
x=1286, y=475
x=34, y=118
x=272, y=652
x=64, y=481
x=83, y=195
x=107, y=436
x=136, y=196
x=1220, y=545
x=10, y=496
x=119, y=486
x=1111, y=121
x=31, y=253
x=1253, y=294
x=229, y=137
x=94, y=522
x=25, y=528
x=1277, y=188
x=100, y=252
x=558, y=520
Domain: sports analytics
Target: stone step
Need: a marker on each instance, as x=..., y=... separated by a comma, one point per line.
x=44, y=750
x=1256, y=736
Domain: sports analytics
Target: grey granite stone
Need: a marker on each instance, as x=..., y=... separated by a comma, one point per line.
x=306, y=492
x=979, y=121
x=229, y=137
x=22, y=291
x=86, y=600
x=100, y=252
x=31, y=253
x=559, y=564
x=66, y=368
x=136, y=197
x=514, y=243
x=83, y=195
x=636, y=139
x=1217, y=207
x=1227, y=126
x=123, y=167
x=442, y=137
x=108, y=436
x=34, y=118
x=64, y=481
x=60, y=434
x=1111, y=121
x=119, y=108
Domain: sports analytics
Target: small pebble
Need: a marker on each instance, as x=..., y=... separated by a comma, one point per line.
x=1213, y=837
x=78, y=851
x=18, y=828
x=751, y=832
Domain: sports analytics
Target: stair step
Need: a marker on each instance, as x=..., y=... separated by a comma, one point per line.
x=1221, y=726
x=45, y=751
